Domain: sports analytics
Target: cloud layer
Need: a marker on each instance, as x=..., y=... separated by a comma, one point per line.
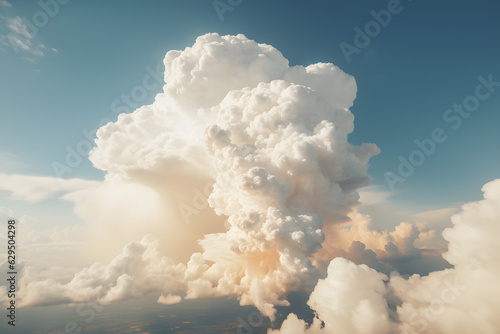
x=466, y=299
x=137, y=271
x=37, y=188
x=242, y=171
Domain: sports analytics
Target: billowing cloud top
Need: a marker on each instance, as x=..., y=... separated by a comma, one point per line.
x=197, y=80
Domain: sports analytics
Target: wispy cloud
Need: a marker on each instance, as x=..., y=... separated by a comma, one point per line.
x=38, y=188
x=21, y=35
x=5, y=3
x=17, y=26
x=21, y=39
x=9, y=161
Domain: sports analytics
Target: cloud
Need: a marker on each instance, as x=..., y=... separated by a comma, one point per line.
x=137, y=271
x=6, y=211
x=47, y=252
x=239, y=136
x=22, y=38
x=265, y=146
x=198, y=79
x=173, y=209
x=169, y=299
x=273, y=141
x=10, y=161
x=5, y=3
x=409, y=248
x=462, y=299
x=350, y=300
x=37, y=188
x=373, y=195
x=17, y=26
x=438, y=219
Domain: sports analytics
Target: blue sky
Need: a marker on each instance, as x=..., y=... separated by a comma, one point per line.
x=426, y=59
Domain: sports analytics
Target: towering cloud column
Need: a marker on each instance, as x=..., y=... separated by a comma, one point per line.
x=272, y=138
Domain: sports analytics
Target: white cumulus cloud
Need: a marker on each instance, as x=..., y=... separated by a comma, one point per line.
x=273, y=140
x=463, y=299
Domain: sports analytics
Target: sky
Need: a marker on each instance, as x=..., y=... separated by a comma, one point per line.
x=81, y=64
x=424, y=61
